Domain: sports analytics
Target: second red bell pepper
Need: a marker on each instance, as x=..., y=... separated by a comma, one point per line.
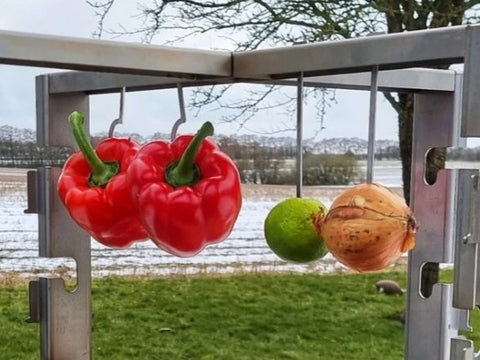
x=93, y=188
x=187, y=192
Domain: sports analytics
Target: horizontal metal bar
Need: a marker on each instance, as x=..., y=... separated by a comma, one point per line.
x=173, y=64
x=102, y=83
x=391, y=51
x=18, y=48
x=412, y=80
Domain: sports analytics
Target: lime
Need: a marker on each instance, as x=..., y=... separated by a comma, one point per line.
x=290, y=231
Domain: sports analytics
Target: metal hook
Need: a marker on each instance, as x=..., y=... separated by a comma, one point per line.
x=119, y=120
x=299, y=160
x=183, y=116
x=371, y=122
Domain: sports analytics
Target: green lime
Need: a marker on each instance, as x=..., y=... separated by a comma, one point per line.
x=290, y=230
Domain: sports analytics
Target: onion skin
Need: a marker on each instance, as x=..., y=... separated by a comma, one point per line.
x=368, y=227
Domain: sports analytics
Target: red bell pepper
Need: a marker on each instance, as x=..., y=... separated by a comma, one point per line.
x=94, y=190
x=187, y=192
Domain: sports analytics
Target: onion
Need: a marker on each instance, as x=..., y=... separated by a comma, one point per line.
x=368, y=227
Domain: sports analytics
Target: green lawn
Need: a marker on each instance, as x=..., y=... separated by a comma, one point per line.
x=253, y=316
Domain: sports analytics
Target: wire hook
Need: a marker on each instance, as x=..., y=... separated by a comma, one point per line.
x=119, y=120
x=371, y=122
x=183, y=116
x=299, y=159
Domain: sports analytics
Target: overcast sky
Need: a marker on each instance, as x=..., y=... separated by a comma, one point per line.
x=148, y=112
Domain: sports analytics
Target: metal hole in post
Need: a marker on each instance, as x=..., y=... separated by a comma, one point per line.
x=434, y=161
x=429, y=276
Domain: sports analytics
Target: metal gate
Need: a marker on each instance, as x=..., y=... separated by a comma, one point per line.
x=447, y=110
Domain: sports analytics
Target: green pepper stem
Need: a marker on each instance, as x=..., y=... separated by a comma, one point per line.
x=184, y=172
x=102, y=172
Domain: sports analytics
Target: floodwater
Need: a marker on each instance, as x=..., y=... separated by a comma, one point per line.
x=245, y=249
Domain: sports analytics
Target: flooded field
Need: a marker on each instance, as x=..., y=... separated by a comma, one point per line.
x=245, y=249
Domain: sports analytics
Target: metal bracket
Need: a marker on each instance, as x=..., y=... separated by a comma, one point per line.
x=432, y=318
x=32, y=208
x=473, y=236
x=64, y=316
x=34, y=302
x=467, y=234
x=462, y=349
x=32, y=201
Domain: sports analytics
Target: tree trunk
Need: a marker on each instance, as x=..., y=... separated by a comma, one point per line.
x=435, y=160
x=405, y=131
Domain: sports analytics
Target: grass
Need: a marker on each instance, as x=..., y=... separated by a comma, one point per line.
x=245, y=316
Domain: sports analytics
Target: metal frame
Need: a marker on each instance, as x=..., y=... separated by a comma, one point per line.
x=412, y=79
x=393, y=51
x=442, y=108
x=433, y=319
x=110, y=56
x=64, y=317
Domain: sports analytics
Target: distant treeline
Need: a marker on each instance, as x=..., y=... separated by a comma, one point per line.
x=29, y=155
x=258, y=164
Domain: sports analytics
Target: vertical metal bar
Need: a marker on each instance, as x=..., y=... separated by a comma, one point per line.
x=466, y=250
x=34, y=302
x=42, y=110
x=431, y=321
x=44, y=211
x=471, y=83
x=65, y=317
x=32, y=193
x=118, y=120
x=467, y=233
x=466, y=286
x=465, y=255
x=299, y=159
x=371, y=122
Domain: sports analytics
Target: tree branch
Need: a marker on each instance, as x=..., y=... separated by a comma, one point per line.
x=394, y=102
x=101, y=11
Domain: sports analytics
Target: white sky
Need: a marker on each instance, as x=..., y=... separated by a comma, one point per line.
x=148, y=112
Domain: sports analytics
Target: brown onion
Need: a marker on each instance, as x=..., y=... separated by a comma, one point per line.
x=368, y=227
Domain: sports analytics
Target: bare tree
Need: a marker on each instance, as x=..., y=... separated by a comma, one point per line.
x=252, y=24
